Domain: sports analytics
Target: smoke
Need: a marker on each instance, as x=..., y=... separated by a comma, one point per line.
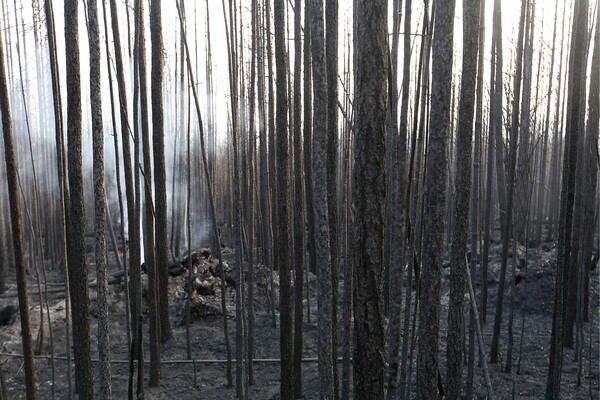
x=32, y=106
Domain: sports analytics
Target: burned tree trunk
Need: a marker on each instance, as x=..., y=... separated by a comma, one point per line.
x=160, y=178
x=565, y=265
x=435, y=202
x=99, y=200
x=283, y=233
x=368, y=198
x=76, y=241
x=458, y=258
x=17, y=232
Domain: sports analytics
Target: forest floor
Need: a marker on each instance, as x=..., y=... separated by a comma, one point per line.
x=533, y=300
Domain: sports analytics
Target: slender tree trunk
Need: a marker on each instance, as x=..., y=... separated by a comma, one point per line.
x=17, y=232
x=209, y=186
x=435, y=198
x=345, y=260
x=498, y=128
x=135, y=249
x=307, y=148
x=99, y=201
x=497, y=116
x=160, y=179
x=395, y=184
x=237, y=207
x=506, y=216
x=458, y=257
x=34, y=215
x=591, y=172
x=331, y=54
x=299, y=226
x=487, y=212
x=272, y=162
x=283, y=234
x=264, y=175
x=148, y=217
x=251, y=328
x=544, y=154
x=134, y=264
x=3, y=242
x=571, y=309
x=411, y=200
x=475, y=198
x=564, y=263
x=525, y=158
x=523, y=173
x=76, y=241
x=61, y=174
x=553, y=207
x=507, y=227
x=321, y=227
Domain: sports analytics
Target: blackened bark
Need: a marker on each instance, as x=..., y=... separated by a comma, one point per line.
x=99, y=200
x=237, y=207
x=283, y=232
x=299, y=226
x=148, y=217
x=17, y=232
x=564, y=262
x=396, y=159
x=591, y=171
x=507, y=227
x=458, y=256
x=542, y=180
x=307, y=148
x=368, y=198
x=134, y=259
x=320, y=209
x=160, y=177
x=331, y=54
x=265, y=208
x=251, y=325
x=475, y=198
x=76, y=241
x=435, y=202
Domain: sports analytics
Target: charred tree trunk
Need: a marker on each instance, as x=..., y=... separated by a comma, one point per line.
x=511, y=169
x=99, y=201
x=542, y=180
x=396, y=159
x=320, y=208
x=148, y=217
x=371, y=63
x=331, y=54
x=80, y=299
x=17, y=232
x=134, y=262
x=160, y=178
x=590, y=173
x=435, y=201
x=458, y=258
x=283, y=233
x=299, y=226
x=565, y=265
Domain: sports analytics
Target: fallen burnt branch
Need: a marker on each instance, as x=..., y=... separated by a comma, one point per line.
x=167, y=361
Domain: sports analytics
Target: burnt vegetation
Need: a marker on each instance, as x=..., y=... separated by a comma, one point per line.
x=302, y=199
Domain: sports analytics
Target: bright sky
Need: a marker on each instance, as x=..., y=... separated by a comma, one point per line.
x=196, y=11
